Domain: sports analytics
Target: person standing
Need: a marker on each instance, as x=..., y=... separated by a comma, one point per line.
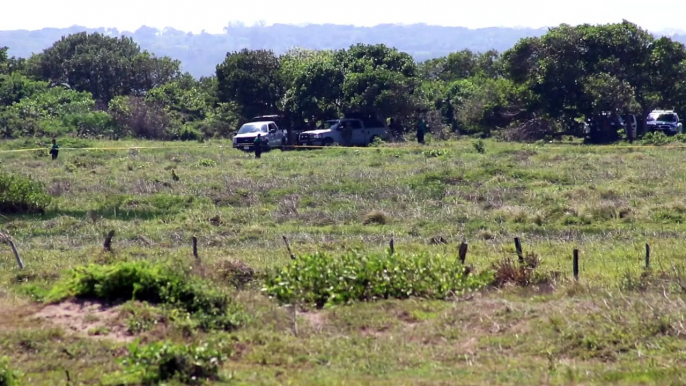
x=348, y=134
x=421, y=130
x=258, y=146
x=55, y=149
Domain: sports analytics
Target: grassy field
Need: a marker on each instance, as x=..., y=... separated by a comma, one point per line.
x=619, y=324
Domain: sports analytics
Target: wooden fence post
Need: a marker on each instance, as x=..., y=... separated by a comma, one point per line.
x=285, y=241
x=463, y=252
x=576, y=264
x=518, y=247
x=391, y=246
x=647, y=256
x=195, y=248
x=7, y=239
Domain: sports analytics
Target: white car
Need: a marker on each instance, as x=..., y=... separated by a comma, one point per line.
x=333, y=131
x=272, y=136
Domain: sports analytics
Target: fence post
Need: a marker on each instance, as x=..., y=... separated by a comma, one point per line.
x=195, y=248
x=463, y=252
x=285, y=241
x=518, y=246
x=391, y=246
x=576, y=264
x=647, y=256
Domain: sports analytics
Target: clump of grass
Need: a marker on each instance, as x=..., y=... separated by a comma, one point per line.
x=151, y=283
x=479, y=146
x=205, y=162
x=7, y=376
x=322, y=279
x=521, y=274
x=165, y=361
x=376, y=217
x=236, y=273
x=22, y=195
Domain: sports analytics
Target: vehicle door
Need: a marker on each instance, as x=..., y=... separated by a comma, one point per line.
x=274, y=135
x=359, y=135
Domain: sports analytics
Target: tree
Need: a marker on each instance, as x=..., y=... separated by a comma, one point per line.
x=4, y=59
x=379, y=82
x=56, y=111
x=250, y=78
x=15, y=87
x=313, y=81
x=574, y=71
x=104, y=66
x=134, y=117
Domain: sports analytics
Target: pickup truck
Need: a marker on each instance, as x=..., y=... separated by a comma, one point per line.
x=333, y=132
x=273, y=137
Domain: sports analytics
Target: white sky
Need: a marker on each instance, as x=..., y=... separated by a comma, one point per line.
x=213, y=16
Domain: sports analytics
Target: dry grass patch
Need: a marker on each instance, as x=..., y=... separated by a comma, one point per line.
x=376, y=217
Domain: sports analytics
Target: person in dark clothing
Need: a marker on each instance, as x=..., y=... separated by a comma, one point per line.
x=348, y=134
x=421, y=130
x=55, y=149
x=258, y=146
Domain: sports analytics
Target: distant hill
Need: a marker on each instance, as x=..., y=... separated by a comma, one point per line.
x=200, y=53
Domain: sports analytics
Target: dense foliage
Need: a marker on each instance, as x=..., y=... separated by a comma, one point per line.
x=152, y=283
x=164, y=361
x=92, y=84
x=321, y=279
x=22, y=195
x=7, y=376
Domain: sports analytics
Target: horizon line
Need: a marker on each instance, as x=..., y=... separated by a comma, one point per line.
x=238, y=24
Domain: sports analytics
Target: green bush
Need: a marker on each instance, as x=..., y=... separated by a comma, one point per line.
x=322, y=279
x=479, y=146
x=164, y=361
x=7, y=376
x=22, y=195
x=656, y=138
x=152, y=283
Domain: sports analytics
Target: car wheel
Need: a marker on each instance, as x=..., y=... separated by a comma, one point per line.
x=374, y=137
x=283, y=145
x=328, y=142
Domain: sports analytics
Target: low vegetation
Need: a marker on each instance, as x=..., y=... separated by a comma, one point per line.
x=22, y=195
x=150, y=283
x=321, y=279
x=7, y=375
x=346, y=310
x=165, y=361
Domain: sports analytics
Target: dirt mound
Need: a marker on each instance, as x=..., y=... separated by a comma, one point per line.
x=86, y=318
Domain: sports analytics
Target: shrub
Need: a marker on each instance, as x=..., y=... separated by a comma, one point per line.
x=322, y=279
x=376, y=217
x=22, y=195
x=656, y=138
x=164, y=361
x=236, y=273
x=152, y=283
x=522, y=274
x=479, y=146
x=7, y=376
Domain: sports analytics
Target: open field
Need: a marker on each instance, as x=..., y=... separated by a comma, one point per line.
x=618, y=324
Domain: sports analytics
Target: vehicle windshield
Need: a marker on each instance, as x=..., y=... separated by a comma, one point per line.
x=662, y=117
x=329, y=125
x=252, y=128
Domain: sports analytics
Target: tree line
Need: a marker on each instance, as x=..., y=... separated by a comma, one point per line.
x=90, y=84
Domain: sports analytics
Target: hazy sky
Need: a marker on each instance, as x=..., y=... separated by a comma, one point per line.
x=213, y=16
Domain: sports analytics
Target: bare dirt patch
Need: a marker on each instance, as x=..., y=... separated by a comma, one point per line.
x=86, y=318
x=316, y=320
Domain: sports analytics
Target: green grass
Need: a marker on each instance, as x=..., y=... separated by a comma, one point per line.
x=619, y=324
